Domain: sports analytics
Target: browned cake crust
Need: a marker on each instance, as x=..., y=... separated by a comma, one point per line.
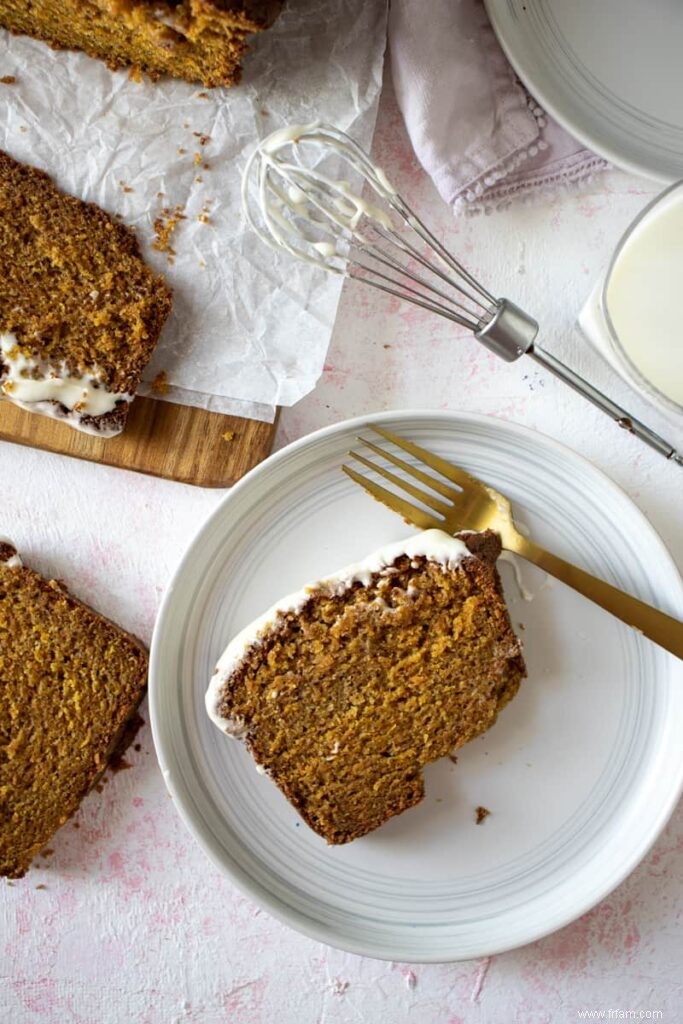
x=199, y=40
x=345, y=701
x=74, y=290
x=70, y=681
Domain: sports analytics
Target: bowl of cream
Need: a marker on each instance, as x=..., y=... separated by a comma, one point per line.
x=633, y=315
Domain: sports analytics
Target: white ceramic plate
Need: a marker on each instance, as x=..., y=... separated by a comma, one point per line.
x=580, y=773
x=611, y=72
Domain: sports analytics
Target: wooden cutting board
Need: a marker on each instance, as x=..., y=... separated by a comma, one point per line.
x=173, y=441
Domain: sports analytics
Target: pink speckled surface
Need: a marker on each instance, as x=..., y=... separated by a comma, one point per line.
x=126, y=921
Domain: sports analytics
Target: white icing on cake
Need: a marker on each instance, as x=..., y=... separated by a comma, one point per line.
x=37, y=386
x=434, y=545
x=13, y=562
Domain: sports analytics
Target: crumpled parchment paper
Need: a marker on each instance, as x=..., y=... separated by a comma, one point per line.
x=249, y=328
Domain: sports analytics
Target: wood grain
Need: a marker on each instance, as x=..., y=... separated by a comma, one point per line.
x=177, y=442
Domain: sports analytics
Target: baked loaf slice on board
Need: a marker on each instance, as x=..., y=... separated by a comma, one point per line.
x=199, y=40
x=80, y=312
x=344, y=691
x=70, y=682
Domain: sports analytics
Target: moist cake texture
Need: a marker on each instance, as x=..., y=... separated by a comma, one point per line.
x=344, y=691
x=70, y=683
x=199, y=40
x=80, y=312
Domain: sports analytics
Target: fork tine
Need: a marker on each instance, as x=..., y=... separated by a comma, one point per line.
x=404, y=485
x=447, y=469
x=409, y=512
x=425, y=478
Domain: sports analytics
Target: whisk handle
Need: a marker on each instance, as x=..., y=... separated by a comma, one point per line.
x=623, y=418
x=511, y=333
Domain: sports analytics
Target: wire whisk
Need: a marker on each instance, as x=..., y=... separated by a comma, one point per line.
x=298, y=199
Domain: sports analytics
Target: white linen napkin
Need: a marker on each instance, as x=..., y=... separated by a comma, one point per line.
x=480, y=136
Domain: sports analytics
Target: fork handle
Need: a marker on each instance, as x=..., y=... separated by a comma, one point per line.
x=663, y=629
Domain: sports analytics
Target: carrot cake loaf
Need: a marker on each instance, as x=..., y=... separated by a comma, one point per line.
x=199, y=40
x=80, y=312
x=71, y=681
x=344, y=691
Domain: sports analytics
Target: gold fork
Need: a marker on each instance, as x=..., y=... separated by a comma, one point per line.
x=473, y=505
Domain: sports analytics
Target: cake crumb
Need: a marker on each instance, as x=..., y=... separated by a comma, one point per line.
x=453, y=758
x=202, y=264
x=482, y=813
x=8, y=79
x=229, y=435
x=203, y=139
x=203, y=216
x=23, y=128
x=125, y=188
x=198, y=159
x=41, y=886
x=202, y=95
x=160, y=383
x=118, y=763
x=76, y=824
x=199, y=179
x=47, y=852
x=135, y=74
x=181, y=151
x=137, y=746
x=164, y=226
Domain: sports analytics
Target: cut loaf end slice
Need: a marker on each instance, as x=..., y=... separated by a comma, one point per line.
x=344, y=691
x=199, y=40
x=71, y=684
x=80, y=311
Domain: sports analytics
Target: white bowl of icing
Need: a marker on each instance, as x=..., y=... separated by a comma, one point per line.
x=633, y=315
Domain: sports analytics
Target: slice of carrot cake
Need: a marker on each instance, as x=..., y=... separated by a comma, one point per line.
x=71, y=682
x=344, y=691
x=199, y=40
x=80, y=312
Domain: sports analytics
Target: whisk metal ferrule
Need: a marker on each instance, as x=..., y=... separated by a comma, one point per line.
x=509, y=333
